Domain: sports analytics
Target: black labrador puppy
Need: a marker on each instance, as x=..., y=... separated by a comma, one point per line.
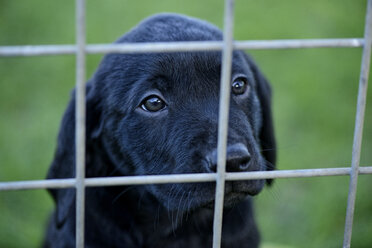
x=156, y=113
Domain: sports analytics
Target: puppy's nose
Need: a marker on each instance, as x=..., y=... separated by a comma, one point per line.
x=237, y=159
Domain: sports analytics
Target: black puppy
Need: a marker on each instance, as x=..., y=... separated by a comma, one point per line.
x=156, y=113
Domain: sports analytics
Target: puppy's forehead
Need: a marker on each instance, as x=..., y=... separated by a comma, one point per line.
x=172, y=27
x=193, y=72
x=188, y=68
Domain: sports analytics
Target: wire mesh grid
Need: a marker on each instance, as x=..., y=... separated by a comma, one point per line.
x=80, y=49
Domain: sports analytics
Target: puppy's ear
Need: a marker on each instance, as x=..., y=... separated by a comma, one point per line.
x=267, y=138
x=63, y=165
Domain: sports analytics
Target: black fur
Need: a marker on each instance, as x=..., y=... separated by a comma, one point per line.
x=125, y=139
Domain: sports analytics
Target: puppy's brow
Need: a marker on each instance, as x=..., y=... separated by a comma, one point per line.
x=161, y=82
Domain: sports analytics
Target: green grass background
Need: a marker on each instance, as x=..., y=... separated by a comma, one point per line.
x=314, y=108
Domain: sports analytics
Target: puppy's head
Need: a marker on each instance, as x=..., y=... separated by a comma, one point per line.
x=157, y=113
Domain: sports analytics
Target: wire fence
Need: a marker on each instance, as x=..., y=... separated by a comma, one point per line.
x=80, y=49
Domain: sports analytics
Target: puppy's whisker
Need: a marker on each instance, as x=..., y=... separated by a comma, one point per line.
x=181, y=165
x=187, y=202
x=157, y=218
x=281, y=148
x=268, y=149
x=169, y=198
x=121, y=194
x=175, y=217
x=140, y=200
x=179, y=218
x=116, y=169
x=269, y=165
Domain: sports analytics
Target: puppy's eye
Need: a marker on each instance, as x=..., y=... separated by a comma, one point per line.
x=153, y=103
x=239, y=86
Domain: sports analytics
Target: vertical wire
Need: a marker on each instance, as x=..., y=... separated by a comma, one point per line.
x=80, y=122
x=358, y=131
x=223, y=119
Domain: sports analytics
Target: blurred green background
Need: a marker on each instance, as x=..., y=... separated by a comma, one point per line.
x=314, y=106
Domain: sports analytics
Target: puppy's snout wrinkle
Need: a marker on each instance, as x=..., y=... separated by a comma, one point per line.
x=237, y=159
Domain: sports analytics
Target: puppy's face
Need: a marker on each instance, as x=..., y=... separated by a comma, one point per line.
x=164, y=120
x=158, y=113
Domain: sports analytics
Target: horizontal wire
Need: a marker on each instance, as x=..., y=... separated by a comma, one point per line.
x=178, y=178
x=37, y=50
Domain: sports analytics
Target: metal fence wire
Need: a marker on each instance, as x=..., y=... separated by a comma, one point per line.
x=227, y=46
